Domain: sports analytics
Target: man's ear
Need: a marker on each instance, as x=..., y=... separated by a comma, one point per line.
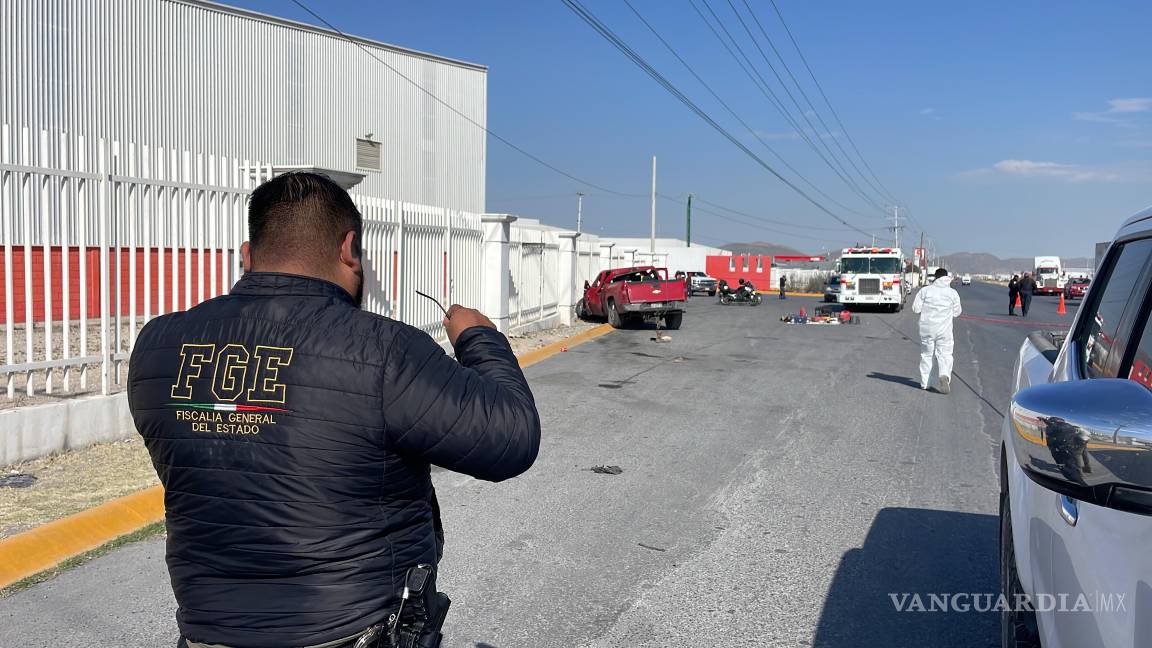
x=246, y=256
x=350, y=250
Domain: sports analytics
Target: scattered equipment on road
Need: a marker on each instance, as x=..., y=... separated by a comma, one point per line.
x=829, y=315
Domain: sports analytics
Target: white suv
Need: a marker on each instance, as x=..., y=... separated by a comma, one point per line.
x=1076, y=467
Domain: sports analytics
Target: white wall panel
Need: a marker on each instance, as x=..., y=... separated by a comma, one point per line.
x=189, y=75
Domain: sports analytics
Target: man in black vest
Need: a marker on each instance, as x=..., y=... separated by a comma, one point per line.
x=294, y=432
x=1013, y=294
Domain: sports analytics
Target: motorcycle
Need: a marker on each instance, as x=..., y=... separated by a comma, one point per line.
x=740, y=295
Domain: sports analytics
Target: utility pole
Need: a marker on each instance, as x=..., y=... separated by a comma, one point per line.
x=689, y=220
x=896, y=224
x=653, y=245
x=579, y=211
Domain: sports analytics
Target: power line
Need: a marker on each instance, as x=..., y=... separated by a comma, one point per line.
x=821, y=239
x=727, y=107
x=633, y=56
x=828, y=103
x=762, y=84
x=449, y=106
x=775, y=222
x=836, y=165
x=808, y=101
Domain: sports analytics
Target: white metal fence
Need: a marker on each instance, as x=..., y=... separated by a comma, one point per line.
x=99, y=237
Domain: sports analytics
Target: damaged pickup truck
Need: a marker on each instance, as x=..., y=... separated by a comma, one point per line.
x=631, y=295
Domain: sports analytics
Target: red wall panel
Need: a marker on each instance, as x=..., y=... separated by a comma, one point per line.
x=174, y=300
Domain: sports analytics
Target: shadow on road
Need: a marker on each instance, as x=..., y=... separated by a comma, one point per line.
x=899, y=380
x=914, y=552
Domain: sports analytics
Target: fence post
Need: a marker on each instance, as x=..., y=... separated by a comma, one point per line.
x=566, y=277
x=495, y=271
x=105, y=269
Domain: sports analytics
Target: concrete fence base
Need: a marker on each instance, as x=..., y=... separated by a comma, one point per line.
x=36, y=431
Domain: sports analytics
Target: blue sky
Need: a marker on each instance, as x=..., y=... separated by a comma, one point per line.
x=1016, y=128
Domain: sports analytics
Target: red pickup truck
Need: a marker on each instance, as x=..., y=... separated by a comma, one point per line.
x=627, y=295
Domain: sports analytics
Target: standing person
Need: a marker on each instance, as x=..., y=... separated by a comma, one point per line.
x=783, y=285
x=1013, y=294
x=937, y=304
x=1027, y=287
x=294, y=434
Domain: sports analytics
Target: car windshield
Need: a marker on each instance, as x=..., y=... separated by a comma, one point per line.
x=870, y=265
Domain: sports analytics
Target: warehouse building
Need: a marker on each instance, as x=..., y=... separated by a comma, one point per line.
x=202, y=77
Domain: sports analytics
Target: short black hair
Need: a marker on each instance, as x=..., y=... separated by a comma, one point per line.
x=303, y=216
x=941, y=272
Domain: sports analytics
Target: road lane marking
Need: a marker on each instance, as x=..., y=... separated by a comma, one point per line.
x=1022, y=322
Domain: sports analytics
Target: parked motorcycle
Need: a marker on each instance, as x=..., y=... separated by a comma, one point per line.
x=739, y=295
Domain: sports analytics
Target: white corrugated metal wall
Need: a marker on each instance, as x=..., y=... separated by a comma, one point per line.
x=191, y=75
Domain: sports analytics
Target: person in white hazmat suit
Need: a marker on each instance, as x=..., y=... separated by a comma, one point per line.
x=938, y=304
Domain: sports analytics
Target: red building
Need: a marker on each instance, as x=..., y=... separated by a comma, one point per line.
x=754, y=268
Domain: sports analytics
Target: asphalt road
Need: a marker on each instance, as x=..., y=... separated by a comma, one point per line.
x=780, y=484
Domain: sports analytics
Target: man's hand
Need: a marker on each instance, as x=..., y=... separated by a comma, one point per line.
x=460, y=319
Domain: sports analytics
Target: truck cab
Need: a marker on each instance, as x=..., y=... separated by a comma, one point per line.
x=1050, y=277
x=626, y=296
x=871, y=276
x=1076, y=466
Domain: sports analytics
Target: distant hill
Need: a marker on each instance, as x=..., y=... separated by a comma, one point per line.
x=762, y=248
x=984, y=263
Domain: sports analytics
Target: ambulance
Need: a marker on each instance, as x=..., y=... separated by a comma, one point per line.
x=872, y=275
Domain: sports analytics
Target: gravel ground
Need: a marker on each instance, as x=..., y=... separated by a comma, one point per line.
x=522, y=344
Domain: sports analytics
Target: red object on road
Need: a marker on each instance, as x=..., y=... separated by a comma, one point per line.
x=1061, y=310
x=625, y=295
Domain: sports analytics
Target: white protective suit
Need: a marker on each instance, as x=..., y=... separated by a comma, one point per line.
x=938, y=304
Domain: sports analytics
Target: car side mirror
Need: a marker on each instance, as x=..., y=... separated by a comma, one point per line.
x=1090, y=440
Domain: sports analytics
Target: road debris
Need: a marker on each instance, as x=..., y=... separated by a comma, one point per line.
x=607, y=470
x=651, y=547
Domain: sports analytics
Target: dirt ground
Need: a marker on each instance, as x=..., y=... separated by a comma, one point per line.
x=71, y=482
x=522, y=344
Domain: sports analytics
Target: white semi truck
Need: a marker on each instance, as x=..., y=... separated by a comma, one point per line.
x=1050, y=277
x=871, y=276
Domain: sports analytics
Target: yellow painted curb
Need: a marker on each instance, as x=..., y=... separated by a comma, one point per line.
x=33, y=551
x=38, y=549
x=789, y=293
x=536, y=355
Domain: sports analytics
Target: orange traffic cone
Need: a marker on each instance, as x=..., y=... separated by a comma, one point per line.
x=1018, y=301
x=1061, y=310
